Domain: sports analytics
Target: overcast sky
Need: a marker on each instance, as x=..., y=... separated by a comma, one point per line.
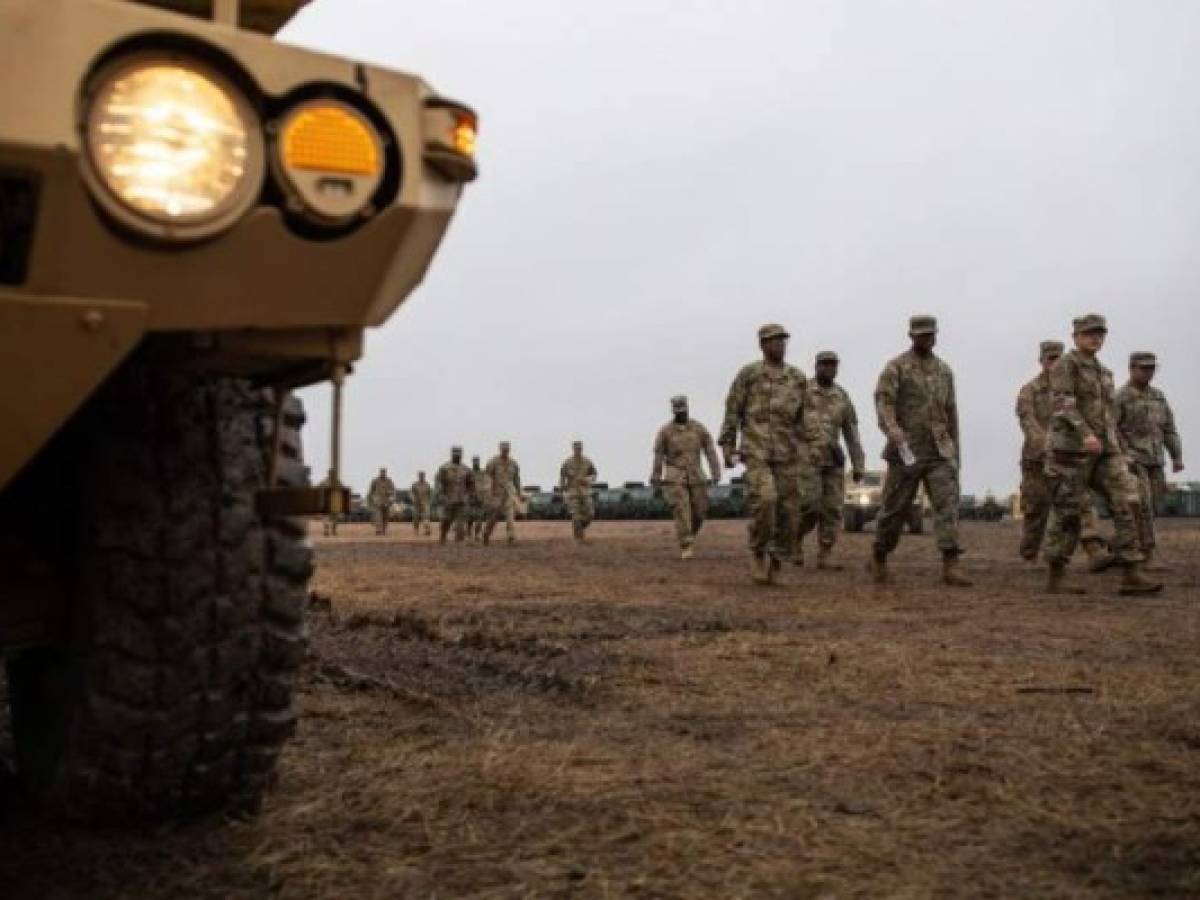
x=660, y=177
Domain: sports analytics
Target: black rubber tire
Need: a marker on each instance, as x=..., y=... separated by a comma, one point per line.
x=172, y=694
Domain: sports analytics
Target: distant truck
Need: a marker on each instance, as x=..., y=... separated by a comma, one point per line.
x=863, y=500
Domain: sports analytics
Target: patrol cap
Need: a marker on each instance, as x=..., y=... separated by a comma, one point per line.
x=827, y=356
x=1143, y=358
x=456, y=449
x=772, y=331
x=474, y=459
x=922, y=325
x=679, y=400
x=505, y=445
x=1090, y=322
x=576, y=443
x=1050, y=347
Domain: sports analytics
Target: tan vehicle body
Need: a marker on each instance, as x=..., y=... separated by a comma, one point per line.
x=257, y=299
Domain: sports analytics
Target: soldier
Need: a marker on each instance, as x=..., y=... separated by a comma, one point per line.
x=575, y=478
x=329, y=524
x=477, y=506
x=452, y=486
x=422, y=498
x=767, y=404
x=1145, y=425
x=1084, y=452
x=918, y=412
x=505, y=476
x=380, y=495
x=1033, y=412
x=835, y=411
x=677, y=451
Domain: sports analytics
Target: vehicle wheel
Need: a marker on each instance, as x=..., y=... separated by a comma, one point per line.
x=172, y=691
x=916, y=521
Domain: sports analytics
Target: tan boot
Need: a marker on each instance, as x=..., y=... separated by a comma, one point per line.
x=878, y=568
x=1056, y=581
x=823, y=560
x=1135, y=581
x=1099, y=559
x=686, y=553
x=950, y=572
x=758, y=568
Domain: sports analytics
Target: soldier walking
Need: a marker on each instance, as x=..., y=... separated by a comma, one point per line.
x=767, y=406
x=380, y=496
x=918, y=412
x=677, y=451
x=452, y=486
x=835, y=412
x=1034, y=407
x=1084, y=452
x=329, y=523
x=575, y=478
x=1145, y=426
x=422, y=497
x=478, y=504
x=505, y=476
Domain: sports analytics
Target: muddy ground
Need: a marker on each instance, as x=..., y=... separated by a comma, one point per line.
x=606, y=721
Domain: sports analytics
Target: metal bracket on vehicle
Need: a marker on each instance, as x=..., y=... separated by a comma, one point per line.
x=282, y=502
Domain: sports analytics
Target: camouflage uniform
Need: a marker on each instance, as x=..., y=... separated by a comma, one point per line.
x=329, y=523
x=835, y=411
x=477, y=505
x=576, y=477
x=677, y=451
x=916, y=394
x=380, y=495
x=1034, y=407
x=1145, y=426
x=505, y=477
x=453, y=485
x=1084, y=405
x=422, y=497
x=768, y=405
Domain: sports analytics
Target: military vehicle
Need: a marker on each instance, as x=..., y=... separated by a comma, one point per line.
x=194, y=220
x=863, y=500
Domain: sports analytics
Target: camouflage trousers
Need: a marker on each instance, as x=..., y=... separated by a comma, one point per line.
x=453, y=514
x=689, y=503
x=824, y=506
x=900, y=486
x=582, y=511
x=1036, y=502
x=1070, y=480
x=773, y=498
x=476, y=518
x=379, y=515
x=1152, y=484
x=503, y=508
x=420, y=517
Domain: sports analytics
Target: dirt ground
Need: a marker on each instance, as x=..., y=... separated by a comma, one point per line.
x=605, y=720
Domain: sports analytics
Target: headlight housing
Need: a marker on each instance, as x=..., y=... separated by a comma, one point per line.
x=174, y=149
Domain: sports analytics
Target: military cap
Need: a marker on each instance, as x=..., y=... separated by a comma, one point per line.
x=1143, y=358
x=1048, y=347
x=1090, y=322
x=505, y=445
x=679, y=400
x=576, y=443
x=922, y=325
x=456, y=449
x=772, y=331
x=474, y=459
x=827, y=356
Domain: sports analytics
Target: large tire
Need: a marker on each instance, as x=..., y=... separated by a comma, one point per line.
x=172, y=692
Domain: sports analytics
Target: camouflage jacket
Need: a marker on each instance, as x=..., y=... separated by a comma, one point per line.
x=677, y=452
x=505, y=477
x=422, y=494
x=1084, y=399
x=481, y=486
x=916, y=394
x=453, y=483
x=1145, y=425
x=769, y=405
x=576, y=476
x=381, y=492
x=835, y=411
x=1034, y=407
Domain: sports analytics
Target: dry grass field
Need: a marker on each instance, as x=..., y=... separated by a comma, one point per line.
x=553, y=720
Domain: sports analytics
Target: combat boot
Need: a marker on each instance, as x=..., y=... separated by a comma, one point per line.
x=1135, y=581
x=1056, y=581
x=950, y=573
x=823, y=560
x=878, y=568
x=686, y=553
x=759, y=568
x=774, y=567
x=1099, y=559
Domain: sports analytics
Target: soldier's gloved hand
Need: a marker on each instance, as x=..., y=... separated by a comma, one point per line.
x=1092, y=445
x=897, y=436
x=856, y=475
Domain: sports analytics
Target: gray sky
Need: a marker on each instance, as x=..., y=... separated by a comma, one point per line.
x=659, y=178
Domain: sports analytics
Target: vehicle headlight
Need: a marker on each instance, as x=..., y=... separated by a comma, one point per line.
x=175, y=144
x=864, y=500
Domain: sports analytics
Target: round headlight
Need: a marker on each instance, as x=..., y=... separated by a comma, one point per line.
x=175, y=144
